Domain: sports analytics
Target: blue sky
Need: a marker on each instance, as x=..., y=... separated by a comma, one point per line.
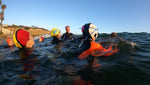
x=108, y=15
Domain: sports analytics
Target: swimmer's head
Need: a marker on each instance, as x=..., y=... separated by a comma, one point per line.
x=22, y=39
x=67, y=29
x=55, y=33
x=90, y=31
x=113, y=34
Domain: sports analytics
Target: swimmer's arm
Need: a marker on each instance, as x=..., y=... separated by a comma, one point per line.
x=84, y=54
x=104, y=51
x=112, y=52
x=107, y=50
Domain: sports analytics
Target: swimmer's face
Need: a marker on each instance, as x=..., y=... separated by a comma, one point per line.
x=68, y=29
x=59, y=35
x=93, y=31
x=30, y=42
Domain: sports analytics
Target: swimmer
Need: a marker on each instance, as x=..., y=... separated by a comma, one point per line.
x=41, y=39
x=56, y=34
x=67, y=35
x=90, y=33
x=23, y=39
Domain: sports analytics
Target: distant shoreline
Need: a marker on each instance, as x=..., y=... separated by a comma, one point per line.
x=34, y=31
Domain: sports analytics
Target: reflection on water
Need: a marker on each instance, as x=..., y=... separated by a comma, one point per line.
x=79, y=81
x=29, y=64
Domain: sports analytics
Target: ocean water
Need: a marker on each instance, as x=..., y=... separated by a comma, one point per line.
x=47, y=64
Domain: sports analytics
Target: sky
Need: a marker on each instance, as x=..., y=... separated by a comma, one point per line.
x=108, y=15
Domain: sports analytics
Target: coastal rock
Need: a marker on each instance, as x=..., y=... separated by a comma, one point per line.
x=6, y=31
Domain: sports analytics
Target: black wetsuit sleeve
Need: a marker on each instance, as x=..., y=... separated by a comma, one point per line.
x=56, y=40
x=86, y=45
x=71, y=34
x=75, y=53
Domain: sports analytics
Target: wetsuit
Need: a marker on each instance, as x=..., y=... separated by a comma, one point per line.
x=56, y=40
x=95, y=49
x=86, y=45
x=67, y=36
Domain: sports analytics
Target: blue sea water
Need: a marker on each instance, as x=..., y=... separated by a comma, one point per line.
x=47, y=64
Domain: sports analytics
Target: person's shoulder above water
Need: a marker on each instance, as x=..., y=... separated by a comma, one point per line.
x=71, y=33
x=67, y=34
x=56, y=40
x=86, y=45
